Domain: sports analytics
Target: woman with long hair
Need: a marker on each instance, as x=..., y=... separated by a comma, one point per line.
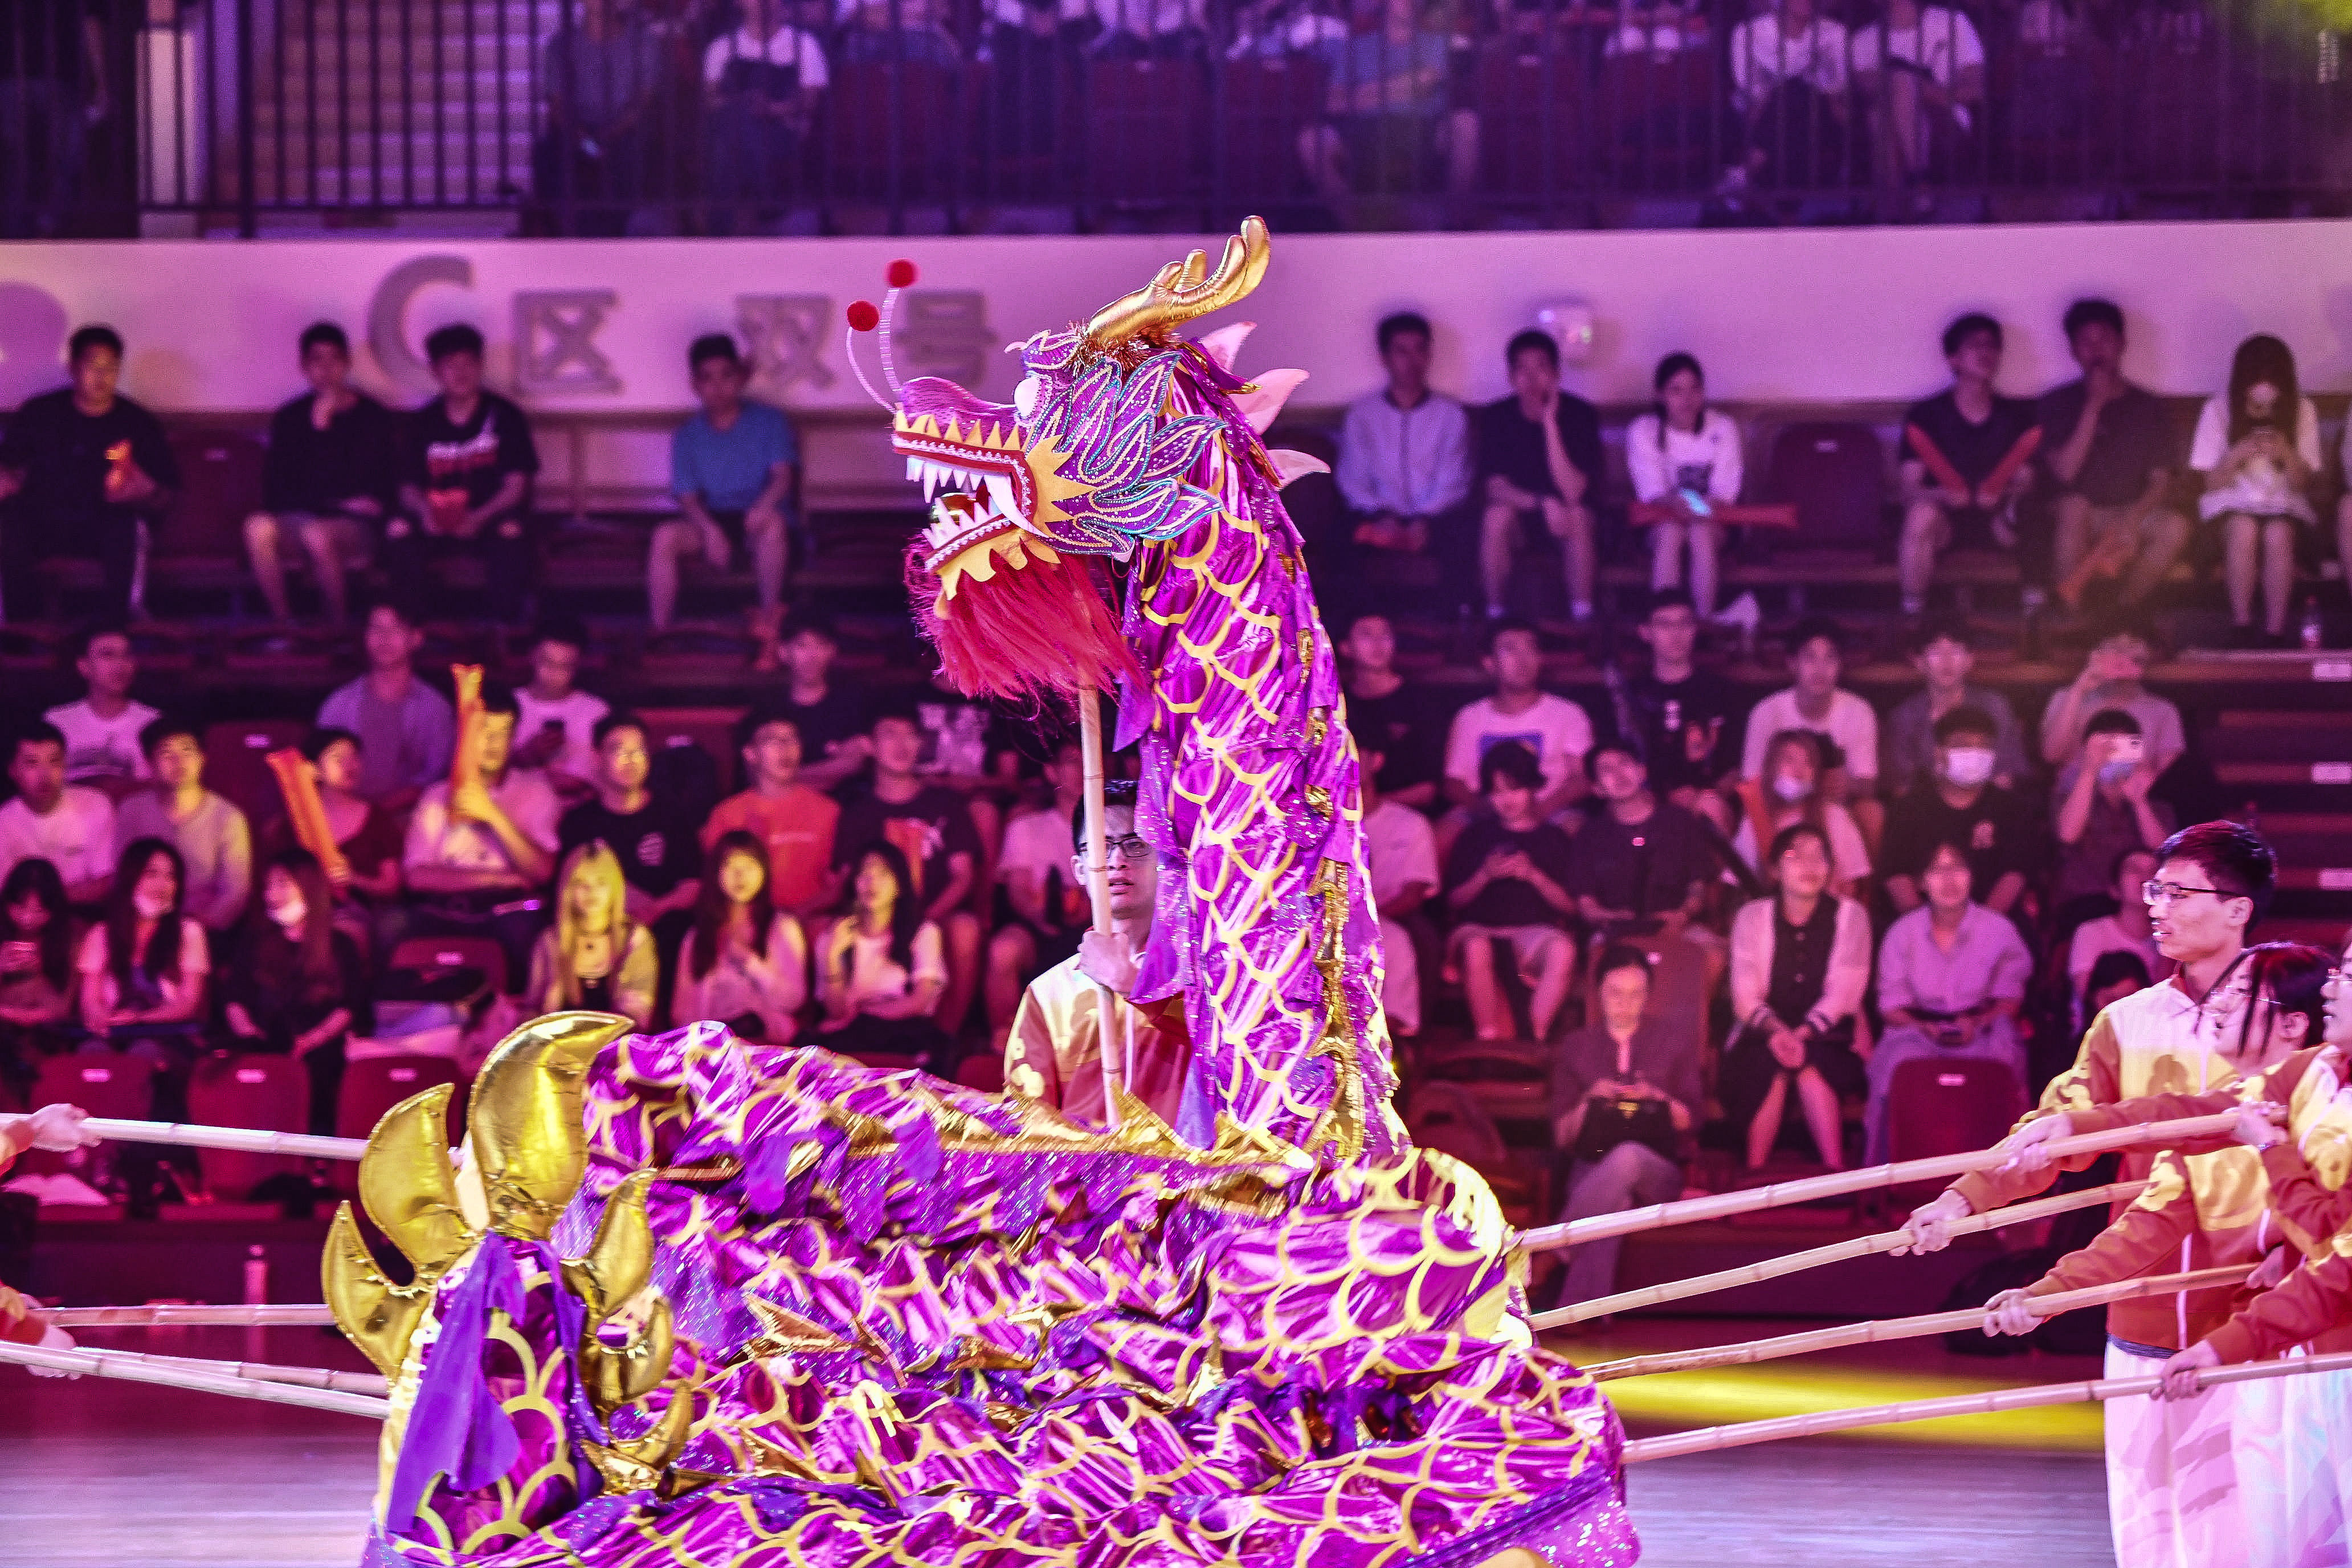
x=1686, y=456
x=1788, y=789
x=884, y=967
x=595, y=956
x=2257, y=450
x=298, y=985
x=36, y=967
x=144, y=966
x=745, y=963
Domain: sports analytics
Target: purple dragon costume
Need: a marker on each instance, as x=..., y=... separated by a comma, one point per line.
x=693, y=1300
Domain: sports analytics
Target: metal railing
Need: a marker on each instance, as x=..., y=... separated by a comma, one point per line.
x=620, y=117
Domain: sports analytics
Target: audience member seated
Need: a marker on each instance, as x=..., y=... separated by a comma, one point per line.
x=1966, y=453
x=2113, y=977
x=931, y=826
x=894, y=32
x=1150, y=29
x=1961, y=804
x=1921, y=69
x=1625, y=1102
x=1507, y=883
x=594, y=955
x=661, y=863
x=1405, y=453
x=1800, y=964
x=1639, y=865
x=1554, y=730
x=1683, y=721
x=605, y=73
x=761, y=83
x=37, y=972
x=2107, y=450
x=1401, y=861
x=1687, y=457
x=370, y=836
x=745, y=963
x=215, y=841
x=466, y=482
x=1041, y=906
x=1951, y=978
x=102, y=729
x=70, y=825
x=1815, y=702
x=1788, y=88
x=298, y=985
x=405, y=730
x=974, y=748
x=2101, y=808
x=733, y=467
x=795, y=822
x=1392, y=126
x=1942, y=657
x=1386, y=715
x=829, y=717
x=328, y=484
x=557, y=733
x=1789, y=794
x=1539, y=456
x=2129, y=930
x=2256, y=451
x=883, y=967
x=2113, y=676
x=144, y=969
x=475, y=859
x=1054, y=1054
x=84, y=470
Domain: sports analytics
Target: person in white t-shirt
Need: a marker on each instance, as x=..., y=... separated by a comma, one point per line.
x=763, y=82
x=1686, y=456
x=70, y=825
x=1401, y=858
x=1789, y=83
x=1814, y=701
x=477, y=859
x=557, y=731
x=101, y=730
x=1922, y=70
x=1556, y=729
x=1043, y=908
x=2257, y=452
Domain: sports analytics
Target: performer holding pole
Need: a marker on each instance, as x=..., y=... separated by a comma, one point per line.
x=2171, y=1496
x=58, y=1128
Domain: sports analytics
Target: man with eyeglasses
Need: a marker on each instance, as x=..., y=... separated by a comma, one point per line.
x=1054, y=1053
x=2172, y=1496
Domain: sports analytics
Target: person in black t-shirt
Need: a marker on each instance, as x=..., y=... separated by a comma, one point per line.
x=83, y=471
x=329, y=479
x=829, y=714
x=53, y=89
x=1538, y=455
x=1639, y=865
x=467, y=484
x=1965, y=808
x=661, y=859
x=1965, y=459
x=1684, y=723
x=1506, y=883
x=2107, y=452
x=931, y=825
x=1390, y=717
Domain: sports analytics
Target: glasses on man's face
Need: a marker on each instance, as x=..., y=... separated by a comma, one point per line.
x=2169, y=892
x=1131, y=848
x=2339, y=977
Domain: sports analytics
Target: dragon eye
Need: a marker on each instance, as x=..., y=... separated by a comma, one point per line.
x=1024, y=397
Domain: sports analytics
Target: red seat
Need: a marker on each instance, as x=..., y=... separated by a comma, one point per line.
x=1663, y=122
x=1532, y=121
x=420, y=954
x=373, y=1085
x=1834, y=473
x=1144, y=125
x=269, y=1093
x=892, y=131
x=1263, y=105
x=1947, y=1106
x=114, y=1087
x=712, y=728
x=237, y=763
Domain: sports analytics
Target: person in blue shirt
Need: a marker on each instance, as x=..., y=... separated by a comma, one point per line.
x=733, y=469
x=1388, y=126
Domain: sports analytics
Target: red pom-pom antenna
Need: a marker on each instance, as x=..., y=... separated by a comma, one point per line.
x=863, y=317
x=901, y=274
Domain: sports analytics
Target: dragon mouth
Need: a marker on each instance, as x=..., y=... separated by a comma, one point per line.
x=976, y=478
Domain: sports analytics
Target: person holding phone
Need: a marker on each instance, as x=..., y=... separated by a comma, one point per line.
x=2257, y=451
x=2100, y=809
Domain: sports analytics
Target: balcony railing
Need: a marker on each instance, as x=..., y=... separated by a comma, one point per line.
x=627, y=117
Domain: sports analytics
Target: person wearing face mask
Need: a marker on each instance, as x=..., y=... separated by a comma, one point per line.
x=1815, y=700
x=1787, y=792
x=2212, y=882
x=2257, y=452
x=1966, y=807
x=2101, y=807
x=1951, y=978
x=2213, y=1202
x=299, y=986
x=1944, y=659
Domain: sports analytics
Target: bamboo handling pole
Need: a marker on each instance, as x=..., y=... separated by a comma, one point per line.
x=370, y=1382
x=1837, y=1183
x=304, y=1145
x=99, y=1364
x=1880, y=1330
x=1795, y=1262
x=1709, y=1439
x=176, y=1315
x=1090, y=748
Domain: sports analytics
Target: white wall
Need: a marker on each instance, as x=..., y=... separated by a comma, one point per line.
x=1819, y=315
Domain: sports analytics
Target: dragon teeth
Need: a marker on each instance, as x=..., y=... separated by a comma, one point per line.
x=1000, y=495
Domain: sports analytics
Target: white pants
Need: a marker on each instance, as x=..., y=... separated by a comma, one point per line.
x=2172, y=1474
x=1401, y=982
x=2295, y=1470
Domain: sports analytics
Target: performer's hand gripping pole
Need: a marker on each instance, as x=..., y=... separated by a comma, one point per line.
x=1090, y=744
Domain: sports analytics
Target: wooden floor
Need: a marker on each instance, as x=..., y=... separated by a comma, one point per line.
x=109, y=1475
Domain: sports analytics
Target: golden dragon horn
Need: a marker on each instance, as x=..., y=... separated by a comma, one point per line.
x=411, y=1192
x=1180, y=291
x=525, y=1120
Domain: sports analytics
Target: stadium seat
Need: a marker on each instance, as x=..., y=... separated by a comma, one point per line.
x=271, y=1093
x=1507, y=1079
x=1834, y=474
x=200, y=547
x=1144, y=121
x=237, y=763
x=1947, y=1106
x=103, y=1084
x=891, y=132
x=373, y=1085
x=424, y=960
x=711, y=729
x=1532, y=132
x=1664, y=124
x=1263, y=105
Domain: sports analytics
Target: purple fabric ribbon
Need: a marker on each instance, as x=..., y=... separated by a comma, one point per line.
x=456, y=1427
